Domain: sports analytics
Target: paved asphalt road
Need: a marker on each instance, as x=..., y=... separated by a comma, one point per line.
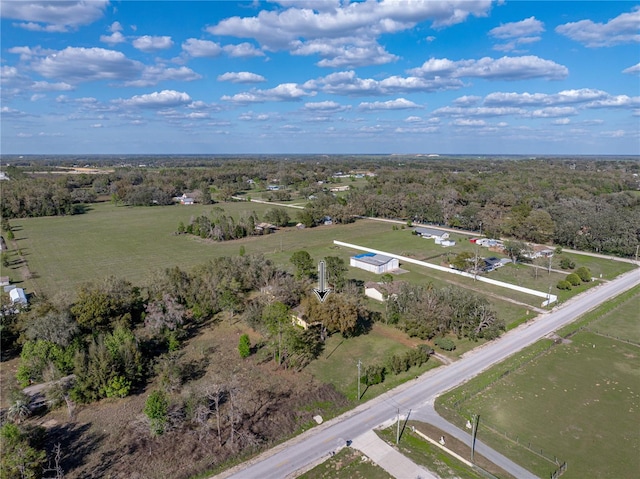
x=314, y=445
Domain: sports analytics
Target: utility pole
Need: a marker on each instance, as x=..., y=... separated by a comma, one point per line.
x=398, y=430
x=474, y=433
x=359, y=366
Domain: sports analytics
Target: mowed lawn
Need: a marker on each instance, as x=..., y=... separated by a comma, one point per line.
x=579, y=402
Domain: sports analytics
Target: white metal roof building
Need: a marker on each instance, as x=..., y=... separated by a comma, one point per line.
x=376, y=263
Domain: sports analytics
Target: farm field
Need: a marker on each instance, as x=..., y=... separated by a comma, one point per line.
x=579, y=402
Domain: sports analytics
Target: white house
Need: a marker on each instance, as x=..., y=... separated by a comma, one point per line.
x=17, y=296
x=429, y=233
x=376, y=263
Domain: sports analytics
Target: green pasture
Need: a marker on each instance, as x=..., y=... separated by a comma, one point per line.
x=579, y=402
x=622, y=322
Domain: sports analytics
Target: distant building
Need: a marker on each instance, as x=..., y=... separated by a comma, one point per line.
x=382, y=291
x=340, y=188
x=17, y=296
x=376, y=263
x=4, y=280
x=432, y=233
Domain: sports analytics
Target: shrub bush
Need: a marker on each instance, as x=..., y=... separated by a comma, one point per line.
x=445, y=344
x=566, y=263
x=244, y=346
x=574, y=279
x=584, y=273
x=373, y=375
x=563, y=284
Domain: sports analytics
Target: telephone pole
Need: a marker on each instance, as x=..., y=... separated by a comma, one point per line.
x=359, y=365
x=398, y=429
x=474, y=433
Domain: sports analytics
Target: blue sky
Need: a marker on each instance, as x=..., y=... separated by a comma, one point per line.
x=320, y=76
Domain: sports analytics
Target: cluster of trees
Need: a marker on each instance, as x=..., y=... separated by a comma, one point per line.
x=427, y=312
x=222, y=227
x=396, y=364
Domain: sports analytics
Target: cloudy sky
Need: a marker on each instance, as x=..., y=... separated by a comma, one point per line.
x=320, y=76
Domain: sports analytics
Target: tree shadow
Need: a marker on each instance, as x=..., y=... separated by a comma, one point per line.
x=76, y=443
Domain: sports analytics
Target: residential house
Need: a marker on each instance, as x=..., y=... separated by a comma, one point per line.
x=376, y=263
x=298, y=318
x=4, y=280
x=432, y=233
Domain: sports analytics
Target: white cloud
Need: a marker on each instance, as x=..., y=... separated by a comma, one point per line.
x=305, y=25
x=524, y=28
x=561, y=121
x=344, y=52
x=398, y=104
x=554, y=112
x=27, y=53
x=413, y=119
x=149, y=44
x=619, y=30
x=75, y=65
x=241, y=77
x=163, y=99
x=113, y=39
x=326, y=106
x=242, y=50
x=468, y=122
x=53, y=16
x=97, y=125
x=617, y=101
x=564, y=97
x=251, y=116
x=635, y=69
x=46, y=86
x=347, y=83
x=613, y=134
x=467, y=100
x=505, y=68
x=152, y=75
x=282, y=92
x=201, y=48
x=517, y=33
x=478, y=111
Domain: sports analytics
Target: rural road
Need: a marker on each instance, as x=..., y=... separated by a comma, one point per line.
x=316, y=444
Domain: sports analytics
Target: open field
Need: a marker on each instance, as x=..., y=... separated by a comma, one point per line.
x=338, y=363
x=579, y=401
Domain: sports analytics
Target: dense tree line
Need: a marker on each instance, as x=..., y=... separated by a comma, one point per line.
x=577, y=202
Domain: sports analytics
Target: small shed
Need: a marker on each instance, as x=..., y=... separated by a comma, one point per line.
x=17, y=296
x=382, y=291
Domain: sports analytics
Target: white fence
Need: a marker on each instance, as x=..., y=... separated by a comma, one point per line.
x=548, y=298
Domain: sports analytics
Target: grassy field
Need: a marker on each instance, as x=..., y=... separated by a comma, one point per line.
x=435, y=459
x=580, y=401
x=338, y=363
x=347, y=464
